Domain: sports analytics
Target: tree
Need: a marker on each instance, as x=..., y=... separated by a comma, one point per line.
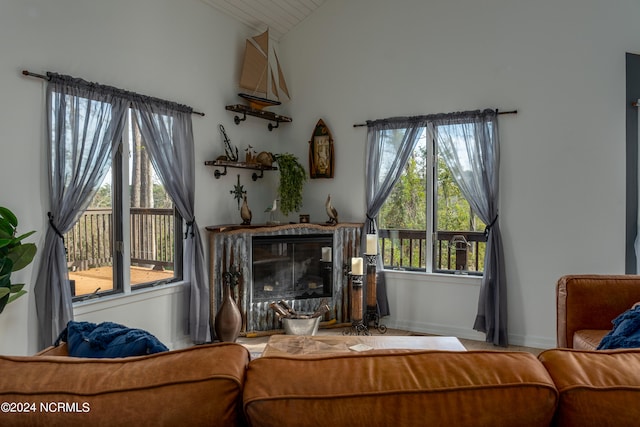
x=406, y=207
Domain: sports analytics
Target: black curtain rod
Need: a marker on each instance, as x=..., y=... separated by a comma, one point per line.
x=40, y=76
x=357, y=125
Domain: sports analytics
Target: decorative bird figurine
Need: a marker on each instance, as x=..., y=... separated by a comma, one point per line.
x=331, y=211
x=273, y=207
x=272, y=212
x=245, y=212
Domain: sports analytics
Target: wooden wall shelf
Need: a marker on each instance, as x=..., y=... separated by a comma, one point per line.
x=261, y=114
x=240, y=165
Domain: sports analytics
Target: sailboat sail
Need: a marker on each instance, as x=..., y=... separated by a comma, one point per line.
x=282, y=83
x=257, y=75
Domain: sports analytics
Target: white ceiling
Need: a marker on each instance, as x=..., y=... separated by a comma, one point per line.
x=279, y=16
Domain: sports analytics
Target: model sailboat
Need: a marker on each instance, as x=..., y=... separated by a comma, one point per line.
x=257, y=76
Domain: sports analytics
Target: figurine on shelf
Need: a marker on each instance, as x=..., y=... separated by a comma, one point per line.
x=273, y=213
x=250, y=155
x=245, y=212
x=331, y=211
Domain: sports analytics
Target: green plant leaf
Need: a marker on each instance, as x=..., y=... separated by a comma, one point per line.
x=5, y=242
x=22, y=255
x=9, y=216
x=25, y=235
x=6, y=267
x=15, y=296
x=14, y=255
x=6, y=230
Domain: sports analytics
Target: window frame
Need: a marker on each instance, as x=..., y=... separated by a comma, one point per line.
x=431, y=212
x=120, y=211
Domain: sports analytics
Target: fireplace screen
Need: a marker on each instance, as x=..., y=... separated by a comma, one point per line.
x=292, y=267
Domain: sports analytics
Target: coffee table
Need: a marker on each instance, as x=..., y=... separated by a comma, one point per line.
x=303, y=345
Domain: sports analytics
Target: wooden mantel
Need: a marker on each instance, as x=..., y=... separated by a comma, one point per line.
x=263, y=228
x=236, y=239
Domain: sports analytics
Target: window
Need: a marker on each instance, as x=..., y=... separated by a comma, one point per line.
x=426, y=224
x=130, y=235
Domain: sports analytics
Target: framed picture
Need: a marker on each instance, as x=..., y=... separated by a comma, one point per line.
x=321, y=152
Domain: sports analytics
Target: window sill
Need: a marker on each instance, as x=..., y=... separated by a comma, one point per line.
x=111, y=301
x=421, y=276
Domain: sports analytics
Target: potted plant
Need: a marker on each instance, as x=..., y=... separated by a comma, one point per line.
x=292, y=178
x=14, y=256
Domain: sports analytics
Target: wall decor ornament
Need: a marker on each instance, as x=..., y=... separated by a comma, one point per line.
x=238, y=192
x=321, y=152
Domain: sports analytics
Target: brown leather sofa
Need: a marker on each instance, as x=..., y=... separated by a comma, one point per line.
x=586, y=305
x=217, y=385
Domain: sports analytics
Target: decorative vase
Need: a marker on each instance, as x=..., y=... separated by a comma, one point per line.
x=228, y=319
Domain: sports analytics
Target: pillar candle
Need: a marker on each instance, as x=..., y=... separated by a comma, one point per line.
x=372, y=244
x=326, y=254
x=357, y=266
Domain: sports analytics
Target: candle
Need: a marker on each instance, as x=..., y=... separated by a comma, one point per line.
x=372, y=244
x=326, y=254
x=357, y=266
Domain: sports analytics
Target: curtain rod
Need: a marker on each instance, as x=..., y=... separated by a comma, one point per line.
x=357, y=125
x=40, y=76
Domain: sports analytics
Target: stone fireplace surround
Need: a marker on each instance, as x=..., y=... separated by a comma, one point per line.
x=234, y=243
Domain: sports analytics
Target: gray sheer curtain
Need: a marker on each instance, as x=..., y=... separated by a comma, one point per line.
x=167, y=133
x=390, y=143
x=84, y=126
x=468, y=142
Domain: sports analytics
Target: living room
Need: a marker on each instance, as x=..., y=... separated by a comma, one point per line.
x=563, y=179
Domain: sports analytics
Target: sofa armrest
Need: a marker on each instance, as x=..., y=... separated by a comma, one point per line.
x=60, y=350
x=592, y=302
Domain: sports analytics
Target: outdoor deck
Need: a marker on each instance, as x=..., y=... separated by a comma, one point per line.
x=87, y=281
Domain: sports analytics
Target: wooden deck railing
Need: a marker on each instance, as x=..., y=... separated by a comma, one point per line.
x=454, y=251
x=152, y=236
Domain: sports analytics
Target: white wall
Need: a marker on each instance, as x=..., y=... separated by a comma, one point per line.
x=561, y=64
x=180, y=50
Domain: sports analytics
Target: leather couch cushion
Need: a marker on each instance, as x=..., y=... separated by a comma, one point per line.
x=597, y=388
x=483, y=388
x=588, y=339
x=200, y=385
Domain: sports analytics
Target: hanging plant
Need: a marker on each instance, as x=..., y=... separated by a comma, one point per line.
x=292, y=178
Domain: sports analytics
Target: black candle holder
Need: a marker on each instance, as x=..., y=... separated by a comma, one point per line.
x=373, y=313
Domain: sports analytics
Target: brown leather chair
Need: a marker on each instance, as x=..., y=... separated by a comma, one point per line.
x=586, y=305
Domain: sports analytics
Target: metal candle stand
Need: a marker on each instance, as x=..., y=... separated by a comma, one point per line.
x=358, y=326
x=373, y=314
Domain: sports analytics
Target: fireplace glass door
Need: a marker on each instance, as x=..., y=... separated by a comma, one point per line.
x=292, y=267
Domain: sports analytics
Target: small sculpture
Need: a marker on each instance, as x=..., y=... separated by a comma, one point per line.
x=272, y=212
x=245, y=212
x=331, y=211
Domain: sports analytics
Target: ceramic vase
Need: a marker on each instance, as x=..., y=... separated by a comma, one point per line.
x=228, y=319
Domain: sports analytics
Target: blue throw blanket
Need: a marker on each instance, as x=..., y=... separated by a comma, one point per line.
x=625, y=332
x=108, y=339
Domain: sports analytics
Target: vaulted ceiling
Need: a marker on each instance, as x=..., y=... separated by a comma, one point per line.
x=280, y=16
